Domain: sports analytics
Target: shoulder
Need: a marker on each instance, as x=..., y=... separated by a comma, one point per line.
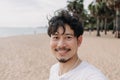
x=54, y=68
x=90, y=67
x=93, y=73
x=53, y=72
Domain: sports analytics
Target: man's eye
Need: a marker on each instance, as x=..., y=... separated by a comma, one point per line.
x=68, y=37
x=55, y=38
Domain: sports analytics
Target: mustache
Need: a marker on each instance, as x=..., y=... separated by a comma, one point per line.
x=59, y=49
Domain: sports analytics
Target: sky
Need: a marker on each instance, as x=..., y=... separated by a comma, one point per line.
x=29, y=13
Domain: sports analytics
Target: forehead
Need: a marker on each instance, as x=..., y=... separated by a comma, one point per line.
x=68, y=30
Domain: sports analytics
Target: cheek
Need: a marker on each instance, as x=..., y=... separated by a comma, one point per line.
x=52, y=44
x=73, y=43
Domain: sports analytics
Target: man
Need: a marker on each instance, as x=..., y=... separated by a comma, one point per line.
x=65, y=33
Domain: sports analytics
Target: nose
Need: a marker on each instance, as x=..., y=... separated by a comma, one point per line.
x=61, y=43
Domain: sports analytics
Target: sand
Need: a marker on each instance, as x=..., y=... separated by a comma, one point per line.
x=28, y=57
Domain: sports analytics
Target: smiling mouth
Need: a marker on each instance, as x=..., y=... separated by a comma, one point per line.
x=62, y=51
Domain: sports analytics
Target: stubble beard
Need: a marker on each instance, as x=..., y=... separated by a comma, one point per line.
x=63, y=60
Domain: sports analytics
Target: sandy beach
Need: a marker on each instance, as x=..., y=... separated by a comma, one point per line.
x=28, y=57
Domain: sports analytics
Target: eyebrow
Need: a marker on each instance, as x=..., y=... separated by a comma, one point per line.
x=67, y=34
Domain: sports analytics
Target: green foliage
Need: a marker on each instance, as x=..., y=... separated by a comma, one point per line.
x=98, y=10
x=76, y=7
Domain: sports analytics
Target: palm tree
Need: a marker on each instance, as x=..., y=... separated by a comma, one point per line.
x=77, y=8
x=103, y=13
x=115, y=4
x=107, y=14
x=94, y=8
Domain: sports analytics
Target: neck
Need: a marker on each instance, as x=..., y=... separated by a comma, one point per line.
x=71, y=64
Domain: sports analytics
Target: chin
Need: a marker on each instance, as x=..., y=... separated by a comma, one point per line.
x=62, y=60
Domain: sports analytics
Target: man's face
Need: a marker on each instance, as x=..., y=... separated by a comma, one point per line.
x=64, y=46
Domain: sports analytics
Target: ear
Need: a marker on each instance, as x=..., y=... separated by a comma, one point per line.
x=79, y=40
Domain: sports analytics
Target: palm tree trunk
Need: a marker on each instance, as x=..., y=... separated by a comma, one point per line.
x=102, y=25
x=105, y=26
x=117, y=24
x=114, y=25
x=98, y=26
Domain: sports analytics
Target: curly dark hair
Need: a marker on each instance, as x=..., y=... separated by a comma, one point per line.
x=61, y=19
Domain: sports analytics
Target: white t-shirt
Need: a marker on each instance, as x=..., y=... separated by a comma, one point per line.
x=84, y=71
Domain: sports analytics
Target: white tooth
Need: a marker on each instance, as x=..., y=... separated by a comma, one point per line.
x=62, y=51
